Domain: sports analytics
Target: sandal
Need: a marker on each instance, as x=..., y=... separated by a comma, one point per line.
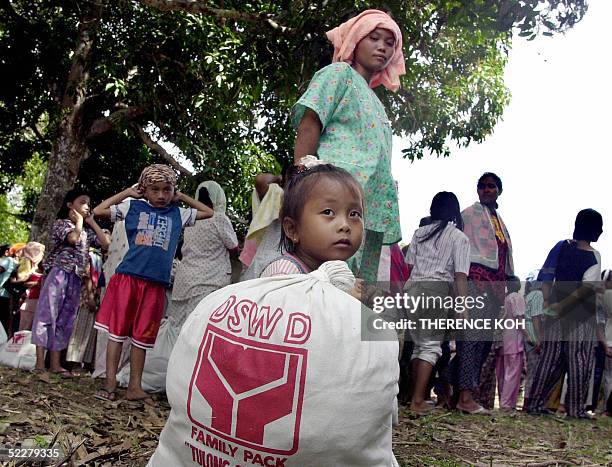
x=479, y=411
x=414, y=414
x=41, y=374
x=106, y=395
x=64, y=374
x=146, y=401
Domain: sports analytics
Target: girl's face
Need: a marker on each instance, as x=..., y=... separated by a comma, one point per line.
x=81, y=205
x=488, y=191
x=374, y=51
x=330, y=226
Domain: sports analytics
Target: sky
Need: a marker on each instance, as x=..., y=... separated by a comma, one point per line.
x=551, y=150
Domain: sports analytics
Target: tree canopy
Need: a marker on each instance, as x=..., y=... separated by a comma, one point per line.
x=96, y=84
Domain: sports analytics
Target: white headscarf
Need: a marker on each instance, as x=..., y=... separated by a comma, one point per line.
x=216, y=194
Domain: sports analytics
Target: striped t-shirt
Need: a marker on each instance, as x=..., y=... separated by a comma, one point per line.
x=284, y=265
x=440, y=257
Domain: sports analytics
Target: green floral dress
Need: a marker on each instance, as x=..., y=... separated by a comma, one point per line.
x=356, y=136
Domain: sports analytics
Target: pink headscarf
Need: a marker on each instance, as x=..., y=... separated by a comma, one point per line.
x=346, y=37
x=33, y=251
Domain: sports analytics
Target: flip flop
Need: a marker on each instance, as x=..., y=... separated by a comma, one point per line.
x=41, y=374
x=479, y=411
x=106, y=395
x=64, y=374
x=146, y=400
x=413, y=415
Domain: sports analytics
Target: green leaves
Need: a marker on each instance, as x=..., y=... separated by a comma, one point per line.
x=221, y=88
x=117, y=87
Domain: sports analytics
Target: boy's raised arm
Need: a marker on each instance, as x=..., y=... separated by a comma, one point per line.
x=103, y=209
x=204, y=212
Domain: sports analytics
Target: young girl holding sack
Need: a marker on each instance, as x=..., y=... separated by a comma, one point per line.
x=252, y=368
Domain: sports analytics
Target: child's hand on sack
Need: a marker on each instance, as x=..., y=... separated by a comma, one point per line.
x=357, y=290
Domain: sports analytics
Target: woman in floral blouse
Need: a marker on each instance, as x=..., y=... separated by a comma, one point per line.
x=341, y=120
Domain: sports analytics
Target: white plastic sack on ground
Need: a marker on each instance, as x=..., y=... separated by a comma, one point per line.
x=18, y=351
x=156, y=360
x=273, y=372
x=3, y=336
x=100, y=359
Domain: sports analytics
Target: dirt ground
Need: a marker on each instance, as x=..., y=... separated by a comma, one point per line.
x=90, y=432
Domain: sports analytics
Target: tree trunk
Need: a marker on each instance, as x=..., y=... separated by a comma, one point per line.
x=69, y=150
x=70, y=147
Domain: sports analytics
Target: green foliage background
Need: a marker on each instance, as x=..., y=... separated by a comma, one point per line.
x=219, y=82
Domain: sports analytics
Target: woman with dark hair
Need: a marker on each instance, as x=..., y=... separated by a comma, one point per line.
x=491, y=262
x=343, y=122
x=58, y=302
x=570, y=277
x=438, y=255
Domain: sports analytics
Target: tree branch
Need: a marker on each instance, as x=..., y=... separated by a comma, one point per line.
x=104, y=124
x=200, y=7
x=34, y=129
x=154, y=146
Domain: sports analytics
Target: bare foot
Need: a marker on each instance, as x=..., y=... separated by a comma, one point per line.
x=136, y=395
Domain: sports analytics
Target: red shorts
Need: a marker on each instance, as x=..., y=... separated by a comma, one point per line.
x=132, y=308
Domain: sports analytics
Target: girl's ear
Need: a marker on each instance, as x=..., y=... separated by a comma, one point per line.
x=291, y=231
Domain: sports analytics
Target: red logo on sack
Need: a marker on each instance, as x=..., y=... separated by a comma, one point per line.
x=244, y=390
x=18, y=338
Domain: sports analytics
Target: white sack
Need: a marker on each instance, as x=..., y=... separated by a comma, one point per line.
x=274, y=372
x=18, y=351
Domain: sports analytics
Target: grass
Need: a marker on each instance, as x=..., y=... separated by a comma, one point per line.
x=115, y=434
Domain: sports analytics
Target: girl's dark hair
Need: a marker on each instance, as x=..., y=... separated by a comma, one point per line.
x=513, y=284
x=498, y=181
x=204, y=197
x=298, y=187
x=444, y=209
x=588, y=226
x=69, y=198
